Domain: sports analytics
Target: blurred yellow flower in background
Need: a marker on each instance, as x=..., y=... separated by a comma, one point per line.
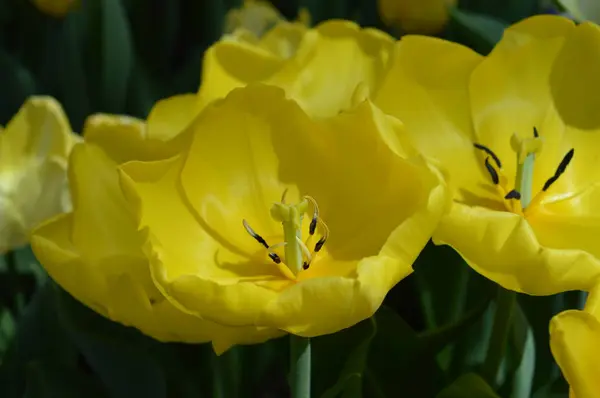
x=206, y=204
x=320, y=68
x=34, y=148
x=416, y=16
x=518, y=132
x=583, y=10
x=575, y=344
x=56, y=8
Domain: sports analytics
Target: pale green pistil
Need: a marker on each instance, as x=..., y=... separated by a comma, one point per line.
x=290, y=216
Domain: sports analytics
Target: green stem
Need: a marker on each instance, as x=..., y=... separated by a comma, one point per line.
x=300, y=366
x=226, y=375
x=505, y=305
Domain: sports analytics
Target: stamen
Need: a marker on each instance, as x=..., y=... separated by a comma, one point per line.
x=313, y=223
x=275, y=257
x=492, y=171
x=489, y=152
x=304, y=250
x=319, y=244
x=284, y=195
x=535, y=133
x=514, y=194
x=559, y=170
x=253, y=234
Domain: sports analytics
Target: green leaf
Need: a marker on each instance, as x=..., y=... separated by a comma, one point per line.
x=119, y=355
x=110, y=54
x=469, y=385
x=349, y=384
x=478, y=31
x=17, y=84
x=52, y=380
x=339, y=359
x=399, y=364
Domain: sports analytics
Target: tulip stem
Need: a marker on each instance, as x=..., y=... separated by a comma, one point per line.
x=505, y=305
x=300, y=366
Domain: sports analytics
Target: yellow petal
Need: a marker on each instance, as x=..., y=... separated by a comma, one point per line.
x=256, y=16
x=509, y=90
x=503, y=247
x=230, y=64
x=284, y=39
x=575, y=343
x=96, y=255
x=207, y=265
x=170, y=116
x=124, y=138
x=56, y=8
x=433, y=104
x=322, y=89
x=33, y=157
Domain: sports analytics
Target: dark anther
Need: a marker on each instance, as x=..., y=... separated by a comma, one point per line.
x=319, y=244
x=514, y=194
x=305, y=265
x=535, y=133
x=489, y=152
x=559, y=170
x=275, y=258
x=256, y=236
x=313, y=225
x=492, y=171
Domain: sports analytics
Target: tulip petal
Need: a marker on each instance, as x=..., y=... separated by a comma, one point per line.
x=124, y=138
x=230, y=64
x=323, y=90
x=513, y=80
x=433, y=104
x=170, y=116
x=575, y=343
x=503, y=247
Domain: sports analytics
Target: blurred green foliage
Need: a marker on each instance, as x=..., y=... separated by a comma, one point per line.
x=120, y=56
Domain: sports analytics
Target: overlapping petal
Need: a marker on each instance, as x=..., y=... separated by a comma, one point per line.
x=379, y=216
x=96, y=251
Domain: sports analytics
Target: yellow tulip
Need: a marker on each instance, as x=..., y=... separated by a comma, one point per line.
x=416, y=16
x=206, y=208
x=95, y=251
x=56, y=8
x=34, y=148
x=320, y=68
x=525, y=207
x=575, y=344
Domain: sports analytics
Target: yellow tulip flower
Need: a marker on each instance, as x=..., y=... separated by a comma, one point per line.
x=575, y=344
x=56, y=8
x=416, y=16
x=95, y=251
x=320, y=68
x=509, y=129
x=259, y=221
x=34, y=148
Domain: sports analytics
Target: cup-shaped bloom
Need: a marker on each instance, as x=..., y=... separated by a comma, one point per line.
x=34, y=148
x=221, y=244
x=518, y=132
x=416, y=16
x=95, y=251
x=575, y=343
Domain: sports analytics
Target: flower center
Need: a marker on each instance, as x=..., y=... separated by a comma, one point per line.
x=298, y=256
x=520, y=198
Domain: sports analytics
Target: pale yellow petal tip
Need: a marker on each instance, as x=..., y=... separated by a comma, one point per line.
x=256, y=17
x=582, y=10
